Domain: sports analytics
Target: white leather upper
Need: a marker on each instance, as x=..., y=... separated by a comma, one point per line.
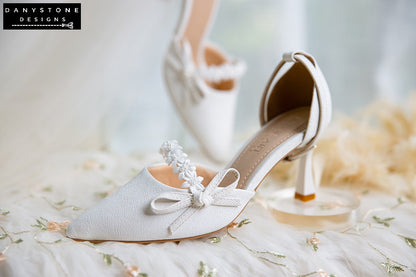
x=207, y=112
x=145, y=209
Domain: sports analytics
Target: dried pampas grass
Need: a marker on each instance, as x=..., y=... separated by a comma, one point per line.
x=376, y=149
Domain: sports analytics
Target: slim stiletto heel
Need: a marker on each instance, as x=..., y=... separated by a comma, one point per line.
x=305, y=185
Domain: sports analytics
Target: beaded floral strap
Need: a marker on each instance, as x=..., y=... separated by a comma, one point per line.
x=177, y=159
x=231, y=70
x=197, y=196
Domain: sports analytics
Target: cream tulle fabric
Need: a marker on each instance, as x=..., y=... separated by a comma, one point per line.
x=374, y=149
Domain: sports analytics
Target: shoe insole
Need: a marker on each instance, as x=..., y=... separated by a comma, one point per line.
x=165, y=175
x=273, y=135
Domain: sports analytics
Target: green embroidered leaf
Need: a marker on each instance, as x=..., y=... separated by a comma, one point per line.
x=40, y=224
x=143, y=274
x=411, y=242
x=57, y=241
x=401, y=200
x=5, y=213
x=18, y=241
x=205, y=271
x=102, y=194
x=47, y=189
x=391, y=268
x=76, y=208
x=383, y=221
x=215, y=239
x=243, y=222
x=332, y=275
x=212, y=273
x=60, y=202
x=3, y=236
x=365, y=192
x=202, y=269
x=107, y=258
x=276, y=254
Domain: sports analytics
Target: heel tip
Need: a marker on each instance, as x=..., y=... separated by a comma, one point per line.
x=304, y=198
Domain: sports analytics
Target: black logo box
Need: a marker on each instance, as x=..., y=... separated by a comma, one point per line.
x=42, y=16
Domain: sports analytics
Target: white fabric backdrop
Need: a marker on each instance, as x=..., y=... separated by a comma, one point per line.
x=102, y=86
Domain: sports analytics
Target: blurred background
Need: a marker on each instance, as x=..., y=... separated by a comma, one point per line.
x=102, y=87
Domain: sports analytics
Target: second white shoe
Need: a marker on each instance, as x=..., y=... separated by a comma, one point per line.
x=203, y=81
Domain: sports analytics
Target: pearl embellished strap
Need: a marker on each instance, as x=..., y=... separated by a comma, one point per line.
x=231, y=70
x=197, y=196
x=177, y=159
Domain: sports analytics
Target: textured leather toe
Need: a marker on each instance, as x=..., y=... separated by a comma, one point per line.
x=126, y=215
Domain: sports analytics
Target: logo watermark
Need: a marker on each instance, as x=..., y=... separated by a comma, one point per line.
x=41, y=16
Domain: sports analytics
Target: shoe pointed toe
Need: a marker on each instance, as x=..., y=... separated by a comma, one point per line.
x=76, y=230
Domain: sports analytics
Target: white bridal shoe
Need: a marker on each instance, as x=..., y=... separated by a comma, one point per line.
x=157, y=206
x=202, y=80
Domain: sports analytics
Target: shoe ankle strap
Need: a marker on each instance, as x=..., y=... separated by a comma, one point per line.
x=319, y=99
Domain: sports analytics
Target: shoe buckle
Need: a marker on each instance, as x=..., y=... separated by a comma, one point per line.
x=289, y=57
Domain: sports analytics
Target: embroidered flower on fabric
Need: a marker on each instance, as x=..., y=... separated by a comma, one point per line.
x=53, y=226
x=132, y=271
x=90, y=164
x=314, y=242
x=322, y=273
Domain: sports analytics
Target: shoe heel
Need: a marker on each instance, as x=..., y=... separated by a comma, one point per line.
x=305, y=185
